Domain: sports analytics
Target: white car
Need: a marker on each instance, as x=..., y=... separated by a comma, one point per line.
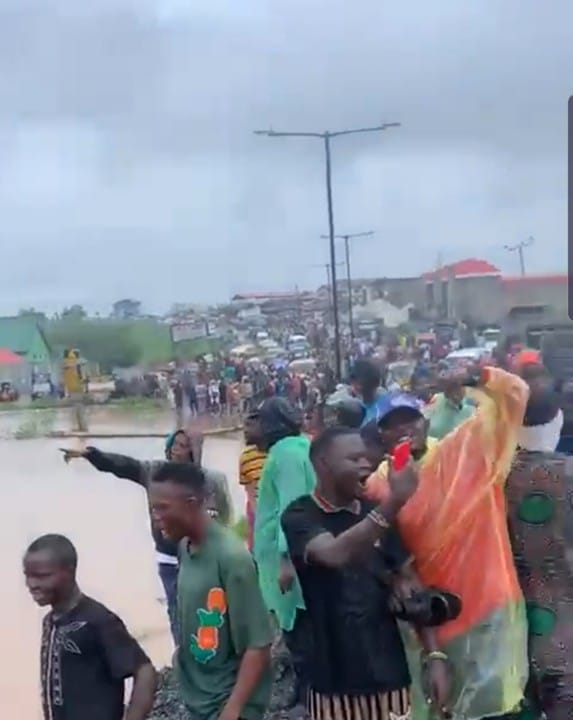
x=468, y=356
x=41, y=389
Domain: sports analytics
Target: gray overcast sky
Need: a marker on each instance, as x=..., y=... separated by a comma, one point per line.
x=129, y=167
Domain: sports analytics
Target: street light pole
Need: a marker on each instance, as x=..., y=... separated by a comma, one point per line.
x=347, y=238
x=326, y=137
x=332, y=248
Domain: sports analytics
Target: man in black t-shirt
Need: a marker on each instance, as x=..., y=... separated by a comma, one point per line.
x=347, y=557
x=87, y=652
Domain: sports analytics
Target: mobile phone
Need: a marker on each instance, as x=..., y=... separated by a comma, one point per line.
x=401, y=454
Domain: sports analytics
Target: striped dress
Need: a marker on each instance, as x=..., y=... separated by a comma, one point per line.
x=251, y=465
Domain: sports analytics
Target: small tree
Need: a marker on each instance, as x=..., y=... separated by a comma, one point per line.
x=74, y=312
x=126, y=309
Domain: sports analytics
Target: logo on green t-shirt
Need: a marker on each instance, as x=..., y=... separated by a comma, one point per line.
x=204, y=645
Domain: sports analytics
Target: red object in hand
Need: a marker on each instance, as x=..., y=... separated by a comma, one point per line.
x=401, y=454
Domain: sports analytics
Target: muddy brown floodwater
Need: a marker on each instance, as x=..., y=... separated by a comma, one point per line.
x=107, y=520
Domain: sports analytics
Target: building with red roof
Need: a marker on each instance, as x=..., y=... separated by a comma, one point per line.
x=550, y=290
x=469, y=289
x=13, y=369
x=8, y=357
x=555, y=279
x=476, y=289
x=469, y=268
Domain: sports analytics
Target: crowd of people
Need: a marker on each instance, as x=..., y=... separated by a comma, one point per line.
x=414, y=557
x=238, y=387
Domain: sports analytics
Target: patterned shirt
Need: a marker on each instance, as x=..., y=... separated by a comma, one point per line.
x=539, y=494
x=86, y=656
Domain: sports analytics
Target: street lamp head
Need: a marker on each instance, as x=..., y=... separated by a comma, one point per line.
x=350, y=236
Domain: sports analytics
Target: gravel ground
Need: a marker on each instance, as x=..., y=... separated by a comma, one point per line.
x=169, y=707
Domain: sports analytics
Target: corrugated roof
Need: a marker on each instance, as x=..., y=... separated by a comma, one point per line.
x=17, y=333
x=266, y=296
x=471, y=267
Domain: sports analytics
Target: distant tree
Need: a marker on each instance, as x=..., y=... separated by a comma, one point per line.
x=126, y=309
x=74, y=312
x=107, y=343
x=32, y=312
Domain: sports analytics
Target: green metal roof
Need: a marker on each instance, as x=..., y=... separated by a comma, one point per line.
x=18, y=333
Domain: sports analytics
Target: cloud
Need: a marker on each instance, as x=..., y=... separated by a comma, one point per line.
x=126, y=138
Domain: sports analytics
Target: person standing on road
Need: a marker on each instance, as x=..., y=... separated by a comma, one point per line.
x=538, y=492
x=287, y=474
x=365, y=381
x=448, y=409
x=251, y=465
x=455, y=526
x=351, y=563
x=87, y=653
x=178, y=448
x=178, y=400
x=223, y=662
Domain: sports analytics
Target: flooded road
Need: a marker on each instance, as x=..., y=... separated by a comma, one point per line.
x=107, y=520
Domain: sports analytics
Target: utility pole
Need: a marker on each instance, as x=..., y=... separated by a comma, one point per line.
x=519, y=248
x=326, y=137
x=347, y=238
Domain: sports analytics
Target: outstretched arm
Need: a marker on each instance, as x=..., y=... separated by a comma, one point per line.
x=121, y=466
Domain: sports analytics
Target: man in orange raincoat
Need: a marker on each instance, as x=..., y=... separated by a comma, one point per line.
x=455, y=527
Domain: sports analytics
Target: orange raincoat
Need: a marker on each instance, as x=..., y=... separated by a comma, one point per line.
x=455, y=526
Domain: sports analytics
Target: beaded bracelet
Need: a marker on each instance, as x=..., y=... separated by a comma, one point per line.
x=436, y=655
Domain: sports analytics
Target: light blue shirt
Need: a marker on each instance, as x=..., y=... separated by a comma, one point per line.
x=372, y=409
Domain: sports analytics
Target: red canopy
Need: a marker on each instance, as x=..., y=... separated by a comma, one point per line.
x=7, y=357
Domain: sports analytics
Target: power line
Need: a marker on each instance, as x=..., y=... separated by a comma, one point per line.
x=519, y=248
x=326, y=137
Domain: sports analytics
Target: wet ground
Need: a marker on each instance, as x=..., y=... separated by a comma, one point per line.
x=107, y=520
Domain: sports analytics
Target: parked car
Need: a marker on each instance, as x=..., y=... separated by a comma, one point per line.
x=41, y=388
x=8, y=392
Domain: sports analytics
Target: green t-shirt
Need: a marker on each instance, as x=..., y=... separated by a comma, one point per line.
x=221, y=615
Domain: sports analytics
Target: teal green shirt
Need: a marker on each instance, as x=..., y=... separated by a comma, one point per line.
x=445, y=417
x=221, y=615
x=287, y=475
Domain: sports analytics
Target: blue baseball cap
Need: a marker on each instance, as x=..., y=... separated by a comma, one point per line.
x=397, y=400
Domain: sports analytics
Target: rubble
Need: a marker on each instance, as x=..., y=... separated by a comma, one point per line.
x=168, y=705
